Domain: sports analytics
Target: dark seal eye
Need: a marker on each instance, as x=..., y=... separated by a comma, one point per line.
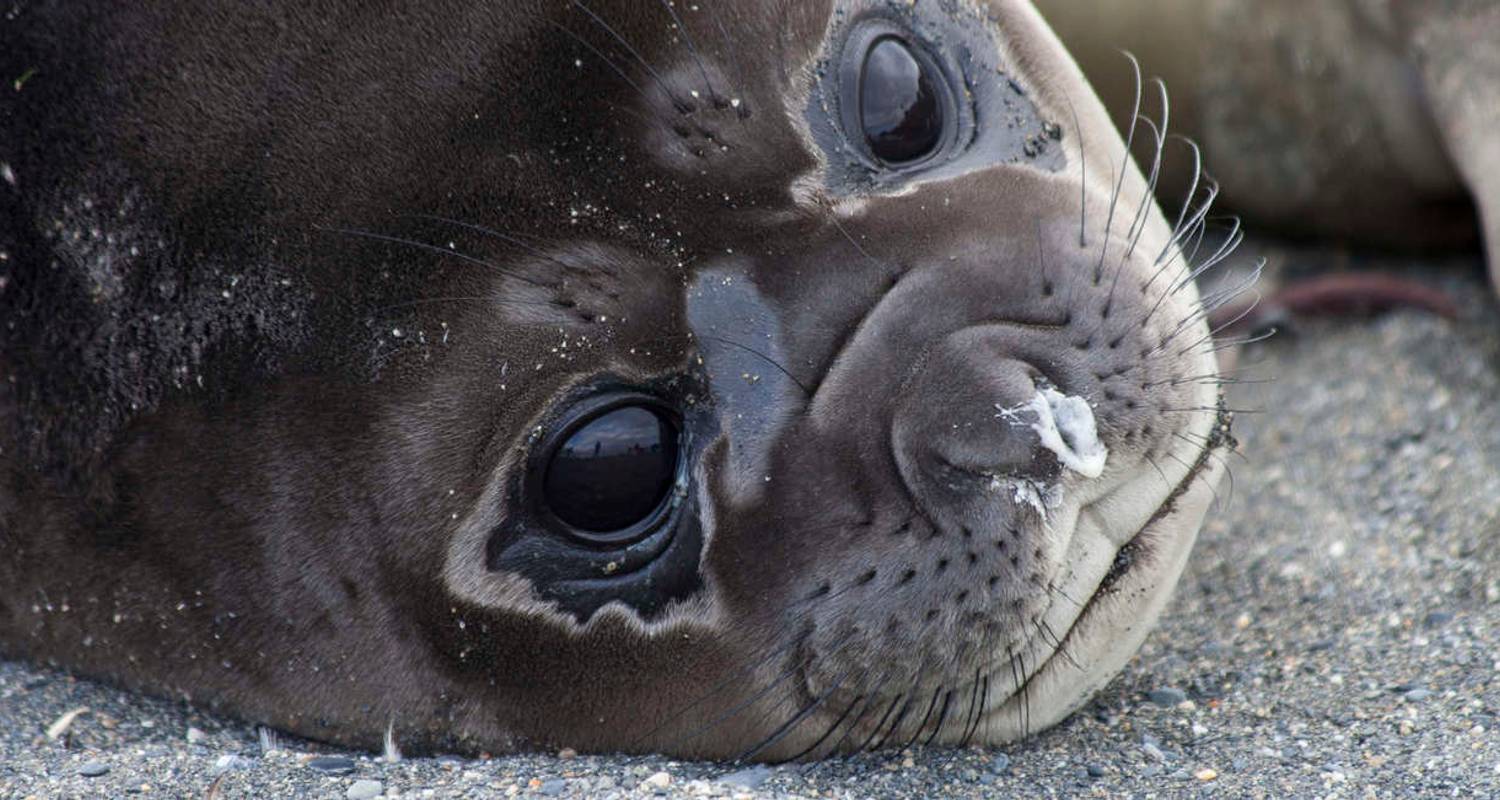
x=613, y=471
x=899, y=108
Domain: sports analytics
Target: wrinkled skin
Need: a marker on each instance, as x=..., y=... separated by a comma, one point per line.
x=292, y=295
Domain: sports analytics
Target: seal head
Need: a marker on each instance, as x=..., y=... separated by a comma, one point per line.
x=747, y=379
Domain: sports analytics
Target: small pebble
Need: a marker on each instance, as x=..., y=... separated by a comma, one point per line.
x=749, y=778
x=1166, y=696
x=660, y=780
x=1095, y=770
x=332, y=765
x=552, y=788
x=1206, y=774
x=567, y=754
x=1000, y=764
x=229, y=762
x=93, y=769
x=364, y=789
x=196, y=736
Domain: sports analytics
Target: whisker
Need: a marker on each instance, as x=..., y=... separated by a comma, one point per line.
x=742, y=111
x=1019, y=690
x=602, y=57
x=1160, y=134
x=984, y=704
x=762, y=356
x=1050, y=636
x=971, y=717
x=871, y=696
x=1159, y=471
x=681, y=106
x=1187, y=200
x=692, y=48
x=1209, y=337
x=911, y=697
x=1083, y=182
x=923, y=724
x=937, y=727
x=1209, y=447
x=1213, y=490
x=786, y=728
x=432, y=248
x=880, y=723
x=735, y=678
x=1119, y=180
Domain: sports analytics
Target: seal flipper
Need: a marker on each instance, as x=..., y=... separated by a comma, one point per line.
x=1460, y=66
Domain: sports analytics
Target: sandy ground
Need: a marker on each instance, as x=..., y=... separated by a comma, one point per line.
x=1336, y=634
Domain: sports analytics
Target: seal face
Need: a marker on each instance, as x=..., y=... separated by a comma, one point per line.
x=751, y=379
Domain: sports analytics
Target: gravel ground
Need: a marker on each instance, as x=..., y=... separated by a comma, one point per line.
x=1336, y=634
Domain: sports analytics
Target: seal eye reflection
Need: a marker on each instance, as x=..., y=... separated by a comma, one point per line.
x=612, y=472
x=899, y=109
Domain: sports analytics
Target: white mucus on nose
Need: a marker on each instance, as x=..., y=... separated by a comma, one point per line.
x=1065, y=426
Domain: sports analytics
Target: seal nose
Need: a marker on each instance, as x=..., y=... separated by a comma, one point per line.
x=973, y=415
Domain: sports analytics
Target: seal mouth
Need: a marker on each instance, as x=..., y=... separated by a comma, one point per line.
x=971, y=706
x=1134, y=553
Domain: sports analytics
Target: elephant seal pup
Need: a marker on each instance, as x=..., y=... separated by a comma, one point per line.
x=1372, y=120
x=738, y=379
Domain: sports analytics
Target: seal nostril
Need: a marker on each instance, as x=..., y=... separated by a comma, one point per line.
x=908, y=575
x=867, y=577
x=963, y=597
x=973, y=557
x=942, y=565
x=993, y=579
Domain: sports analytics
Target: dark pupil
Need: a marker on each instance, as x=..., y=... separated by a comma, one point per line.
x=898, y=105
x=613, y=471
